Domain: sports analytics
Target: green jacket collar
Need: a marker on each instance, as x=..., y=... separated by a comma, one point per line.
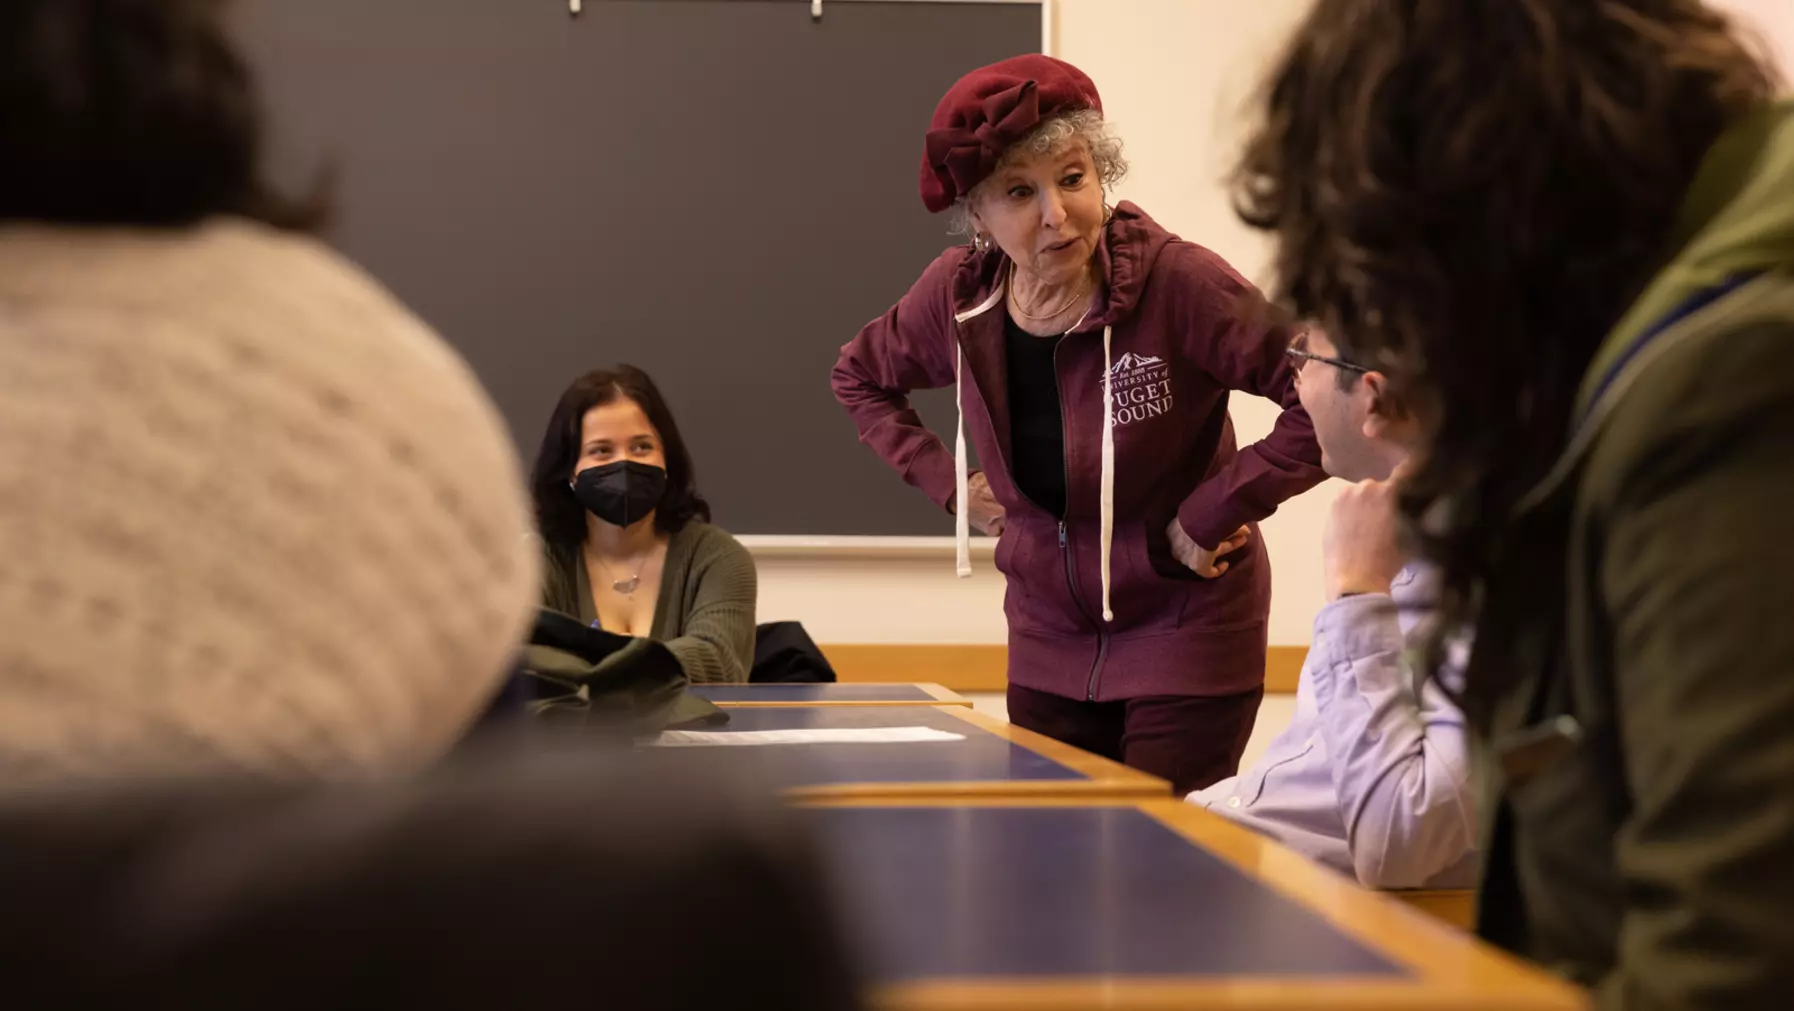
x=1737, y=220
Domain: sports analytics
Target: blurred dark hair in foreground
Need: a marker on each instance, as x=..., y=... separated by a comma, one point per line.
x=610, y=880
x=132, y=113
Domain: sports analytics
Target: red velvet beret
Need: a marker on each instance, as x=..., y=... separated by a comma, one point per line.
x=987, y=111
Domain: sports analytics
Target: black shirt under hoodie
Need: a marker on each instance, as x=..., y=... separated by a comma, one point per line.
x=1037, y=430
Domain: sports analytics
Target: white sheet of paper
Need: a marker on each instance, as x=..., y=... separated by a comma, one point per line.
x=846, y=735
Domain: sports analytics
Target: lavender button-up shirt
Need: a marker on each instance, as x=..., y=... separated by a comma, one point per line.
x=1372, y=775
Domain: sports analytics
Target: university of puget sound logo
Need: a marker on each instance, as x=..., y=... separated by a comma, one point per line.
x=1142, y=386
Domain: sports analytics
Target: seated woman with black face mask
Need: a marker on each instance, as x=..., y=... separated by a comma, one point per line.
x=627, y=540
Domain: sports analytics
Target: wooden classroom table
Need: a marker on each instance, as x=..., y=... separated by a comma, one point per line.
x=994, y=760
x=1068, y=905
x=833, y=694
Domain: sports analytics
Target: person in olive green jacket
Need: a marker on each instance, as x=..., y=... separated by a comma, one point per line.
x=1566, y=229
x=626, y=538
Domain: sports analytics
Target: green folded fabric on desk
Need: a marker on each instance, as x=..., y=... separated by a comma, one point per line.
x=601, y=679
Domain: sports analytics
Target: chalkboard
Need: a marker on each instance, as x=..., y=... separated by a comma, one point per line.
x=719, y=191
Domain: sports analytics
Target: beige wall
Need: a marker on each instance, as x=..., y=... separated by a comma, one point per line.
x=1173, y=74
x=1773, y=22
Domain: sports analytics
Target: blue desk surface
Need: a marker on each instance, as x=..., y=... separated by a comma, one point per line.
x=816, y=693
x=1062, y=905
x=982, y=757
x=1065, y=892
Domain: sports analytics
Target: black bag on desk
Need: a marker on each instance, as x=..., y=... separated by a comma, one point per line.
x=572, y=672
x=785, y=653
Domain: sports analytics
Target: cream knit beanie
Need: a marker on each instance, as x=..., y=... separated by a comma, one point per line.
x=254, y=516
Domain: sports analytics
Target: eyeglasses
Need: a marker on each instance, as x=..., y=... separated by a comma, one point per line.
x=1301, y=356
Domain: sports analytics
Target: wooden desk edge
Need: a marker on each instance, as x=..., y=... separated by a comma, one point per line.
x=1339, y=993
x=1095, y=768
x=842, y=704
x=1443, y=959
x=1449, y=971
x=938, y=695
x=942, y=693
x=1453, y=906
x=982, y=792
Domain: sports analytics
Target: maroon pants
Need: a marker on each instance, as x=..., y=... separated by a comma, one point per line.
x=1193, y=741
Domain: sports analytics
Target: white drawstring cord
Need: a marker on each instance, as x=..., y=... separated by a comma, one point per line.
x=962, y=520
x=1108, y=502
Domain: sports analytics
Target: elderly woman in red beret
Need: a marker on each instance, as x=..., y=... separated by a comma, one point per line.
x=1092, y=352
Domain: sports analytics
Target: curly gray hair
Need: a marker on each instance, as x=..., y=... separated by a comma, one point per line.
x=1053, y=135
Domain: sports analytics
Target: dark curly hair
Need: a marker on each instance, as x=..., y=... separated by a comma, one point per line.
x=132, y=113
x=1467, y=195
x=560, y=518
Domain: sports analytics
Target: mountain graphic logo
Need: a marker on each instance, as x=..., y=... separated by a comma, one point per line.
x=1130, y=361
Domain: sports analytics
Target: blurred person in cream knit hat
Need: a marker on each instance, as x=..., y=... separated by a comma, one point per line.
x=254, y=516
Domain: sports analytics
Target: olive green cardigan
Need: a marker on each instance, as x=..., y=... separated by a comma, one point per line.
x=704, y=613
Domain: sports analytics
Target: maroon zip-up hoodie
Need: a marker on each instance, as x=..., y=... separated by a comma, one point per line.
x=1177, y=347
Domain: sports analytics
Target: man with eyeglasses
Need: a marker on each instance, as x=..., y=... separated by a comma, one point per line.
x=1372, y=775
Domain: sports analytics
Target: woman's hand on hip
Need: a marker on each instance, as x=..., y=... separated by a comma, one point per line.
x=986, y=514
x=1205, y=562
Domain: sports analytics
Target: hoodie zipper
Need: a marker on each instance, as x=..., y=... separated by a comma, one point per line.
x=1066, y=556
x=990, y=421
x=1067, y=561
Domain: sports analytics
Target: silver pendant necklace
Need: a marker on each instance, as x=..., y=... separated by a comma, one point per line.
x=626, y=587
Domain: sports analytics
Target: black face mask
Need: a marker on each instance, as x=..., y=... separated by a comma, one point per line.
x=620, y=493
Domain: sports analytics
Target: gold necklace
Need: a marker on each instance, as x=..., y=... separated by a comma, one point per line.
x=1016, y=303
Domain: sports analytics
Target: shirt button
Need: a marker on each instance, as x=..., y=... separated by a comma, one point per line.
x=1233, y=802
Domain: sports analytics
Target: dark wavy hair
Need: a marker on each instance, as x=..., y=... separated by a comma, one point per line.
x=132, y=112
x=1467, y=196
x=560, y=518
